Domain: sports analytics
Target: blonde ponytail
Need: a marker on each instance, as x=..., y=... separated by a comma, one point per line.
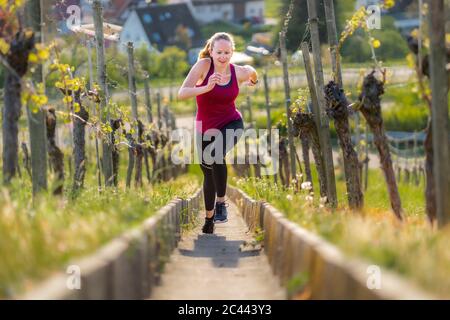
x=204, y=53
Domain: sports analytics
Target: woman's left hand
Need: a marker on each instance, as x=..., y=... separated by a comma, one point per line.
x=246, y=74
x=249, y=83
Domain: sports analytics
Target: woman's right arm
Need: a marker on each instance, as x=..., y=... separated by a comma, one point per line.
x=188, y=88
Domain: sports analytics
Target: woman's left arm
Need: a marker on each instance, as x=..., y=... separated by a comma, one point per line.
x=247, y=74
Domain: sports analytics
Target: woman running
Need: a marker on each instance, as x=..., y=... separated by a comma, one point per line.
x=215, y=82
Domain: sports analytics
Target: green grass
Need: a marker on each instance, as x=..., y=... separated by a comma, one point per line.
x=39, y=238
x=402, y=108
x=408, y=111
x=377, y=197
x=413, y=249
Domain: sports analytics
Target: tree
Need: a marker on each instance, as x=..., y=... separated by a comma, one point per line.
x=116, y=69
x=172, y=64
x=239, y=43
x=298, y=22
x=344, y=10
x=36, y=120
x=393, y=45
x=182, y=37
x=147, y=59
x=15, y=47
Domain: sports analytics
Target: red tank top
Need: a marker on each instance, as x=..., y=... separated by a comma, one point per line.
x=216, y=108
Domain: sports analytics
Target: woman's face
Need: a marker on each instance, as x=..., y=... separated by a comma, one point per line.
x=221, y=51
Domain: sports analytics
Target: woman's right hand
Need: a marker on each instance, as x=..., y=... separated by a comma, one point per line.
x=212, y=81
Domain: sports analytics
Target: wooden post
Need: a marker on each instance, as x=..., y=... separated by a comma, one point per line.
x=158, y=104
x=36, y=120
x=335, y=58
x=415, y=170
x=244, y=112
x=305, y=152
x=266, y=95
x=257, y=165
x=366, y=159
x=249, y=108
x=440, y=124
x=333, y=41
x=166, y=117
x=139, y=154
x=397, y=160
x=131, y=160
x=287, y=93
x=101, y=77
x=269, y=119
x=311, y=86
x=173, y=120
x=132, y=82
x=134, y=158
x=91, y=87
x=91, y=73
x=324, y=129
x=419, y=38
x=148, y=100
x=406, y=165
x=357, y=134
x=69, y=162
x=316, y=147
x=337, y=109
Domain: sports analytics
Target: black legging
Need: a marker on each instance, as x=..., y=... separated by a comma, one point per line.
x=215, y=174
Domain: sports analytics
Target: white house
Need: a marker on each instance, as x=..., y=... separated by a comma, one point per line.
x=159, y=26
x=133, y=30
x=114, y=11
x=366, y=3
x=206, y=11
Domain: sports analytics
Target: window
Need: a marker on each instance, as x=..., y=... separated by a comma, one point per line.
x=190, y=32
x=156, y=37
x=147, y=18
x=168, y=15
x=162, y=17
